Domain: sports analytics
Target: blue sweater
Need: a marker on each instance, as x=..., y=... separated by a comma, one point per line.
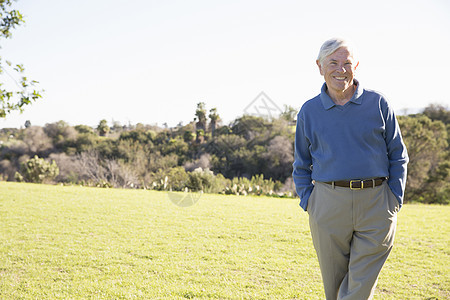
x=359, y=140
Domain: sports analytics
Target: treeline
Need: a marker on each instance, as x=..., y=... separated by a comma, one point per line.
x=252, y=155
x=427, y=138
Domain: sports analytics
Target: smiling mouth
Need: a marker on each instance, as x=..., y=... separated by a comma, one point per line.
x=340, y=78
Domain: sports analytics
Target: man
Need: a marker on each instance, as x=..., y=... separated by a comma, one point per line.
x=350, y=174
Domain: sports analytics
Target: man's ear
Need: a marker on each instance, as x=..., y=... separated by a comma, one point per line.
x=320, y=66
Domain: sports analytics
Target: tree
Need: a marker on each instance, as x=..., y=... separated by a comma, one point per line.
x=188, y=136
x=84, y=129
x=289, y=113
x=251, y=127
x=201, y=116
x=228, y=155
x=37, y=141
x=103, y=128
x=60, y=132
x=200, y=138
x=24, y=92
x=279, y=158
x=214, y=117
x=429, y=165
x=437, y=112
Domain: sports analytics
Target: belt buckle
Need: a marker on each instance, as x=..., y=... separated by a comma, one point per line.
x=358, y=188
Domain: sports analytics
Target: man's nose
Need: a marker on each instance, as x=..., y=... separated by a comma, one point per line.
x=341, y=68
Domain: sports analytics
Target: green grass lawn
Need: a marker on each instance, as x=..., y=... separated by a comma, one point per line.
x=72, y=242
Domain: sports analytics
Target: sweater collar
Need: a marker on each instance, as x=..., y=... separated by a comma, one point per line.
x=328, y=103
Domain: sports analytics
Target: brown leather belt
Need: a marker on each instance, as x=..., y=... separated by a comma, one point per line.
x=358, y=184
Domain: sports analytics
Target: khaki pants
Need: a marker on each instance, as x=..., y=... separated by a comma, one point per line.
x=353, y=234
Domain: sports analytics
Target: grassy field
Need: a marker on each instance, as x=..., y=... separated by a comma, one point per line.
x=72, y=242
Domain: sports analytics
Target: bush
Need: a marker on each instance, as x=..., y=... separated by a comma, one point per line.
x=37, y=170
x=177, y=179
x=200, y=180
x=257, y=185
x=206, y=181
x=68, y=167
x=173, y=179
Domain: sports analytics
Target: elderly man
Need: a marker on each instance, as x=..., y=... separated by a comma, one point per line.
x=350, y=174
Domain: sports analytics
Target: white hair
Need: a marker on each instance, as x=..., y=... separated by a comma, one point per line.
x=331, y=45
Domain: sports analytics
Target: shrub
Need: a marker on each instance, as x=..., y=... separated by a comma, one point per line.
x=13, y=149
x=206, y=181
x=173, y=179
x=200, y=180
x=120, y=175
x=8, y=168
x=37, y=170
x=69, y=170
x=177, y=179
x=257, y=185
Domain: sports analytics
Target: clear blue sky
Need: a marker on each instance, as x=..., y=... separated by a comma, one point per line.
x=152, y=61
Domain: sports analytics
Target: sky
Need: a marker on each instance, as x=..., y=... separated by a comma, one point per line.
x=151, y=62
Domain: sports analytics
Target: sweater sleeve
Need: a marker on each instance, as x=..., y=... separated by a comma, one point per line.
x=302, y=164
x=397, y=154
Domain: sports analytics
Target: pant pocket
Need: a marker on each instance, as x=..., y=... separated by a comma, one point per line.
x=309, y=207
x=394, y=206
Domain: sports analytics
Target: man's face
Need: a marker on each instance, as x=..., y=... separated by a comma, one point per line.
x=338, y=69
